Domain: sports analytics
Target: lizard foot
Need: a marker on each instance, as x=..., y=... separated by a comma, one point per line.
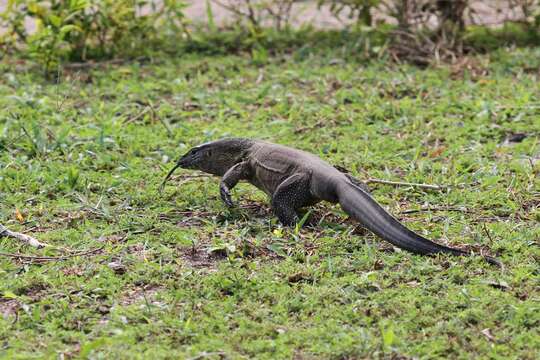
x=226, y=197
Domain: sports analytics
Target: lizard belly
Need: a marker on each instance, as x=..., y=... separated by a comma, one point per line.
x=267, y=176
x=267, y=181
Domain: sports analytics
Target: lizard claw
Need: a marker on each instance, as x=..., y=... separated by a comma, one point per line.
x=227, y=200
x=226, y=197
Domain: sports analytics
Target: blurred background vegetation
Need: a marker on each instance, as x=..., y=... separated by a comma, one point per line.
x=56, y=32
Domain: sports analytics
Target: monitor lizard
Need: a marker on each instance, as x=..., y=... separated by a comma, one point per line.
x=293, y=179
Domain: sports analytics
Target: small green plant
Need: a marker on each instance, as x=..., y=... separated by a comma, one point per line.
x=72, y=177
x=50, y=43
x=81, y=30
x=260, y=13
x=388, y=336
x=355, y=9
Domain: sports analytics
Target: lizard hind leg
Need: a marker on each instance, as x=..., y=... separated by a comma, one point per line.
x=290, y=195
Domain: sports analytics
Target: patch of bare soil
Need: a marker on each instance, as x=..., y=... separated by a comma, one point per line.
x=140, y=294
x=9, y=308
x=188, y=217
x=33, y=291
x=201, y=258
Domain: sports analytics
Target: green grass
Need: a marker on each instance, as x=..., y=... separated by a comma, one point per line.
x=82, y=161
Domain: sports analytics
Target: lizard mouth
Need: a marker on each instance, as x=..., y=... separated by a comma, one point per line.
x=188, y=162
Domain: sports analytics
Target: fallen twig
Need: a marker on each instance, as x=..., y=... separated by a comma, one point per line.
x=154, y=115
x=138, y=116
x=458, y=209
x=401, y=183
x=51, y=258
x=190, y=176
x=487, y=232
x=4, y=231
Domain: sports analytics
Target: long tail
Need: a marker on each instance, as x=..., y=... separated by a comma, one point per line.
x=362, y=207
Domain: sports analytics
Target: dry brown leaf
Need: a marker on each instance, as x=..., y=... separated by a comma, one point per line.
x=19, y=216
x=437, y=151
x=487, y=333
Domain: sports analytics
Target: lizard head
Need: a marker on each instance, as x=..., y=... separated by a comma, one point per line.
x=215, y=157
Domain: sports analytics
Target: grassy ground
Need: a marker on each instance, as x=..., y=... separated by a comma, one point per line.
x=178, y=275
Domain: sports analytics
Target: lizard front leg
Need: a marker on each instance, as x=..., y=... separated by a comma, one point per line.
x=290, y=195
x=238, y=172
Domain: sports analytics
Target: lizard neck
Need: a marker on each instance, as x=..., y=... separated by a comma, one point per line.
x=225, y=154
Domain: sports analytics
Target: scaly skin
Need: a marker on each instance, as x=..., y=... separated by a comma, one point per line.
x=294, y=179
